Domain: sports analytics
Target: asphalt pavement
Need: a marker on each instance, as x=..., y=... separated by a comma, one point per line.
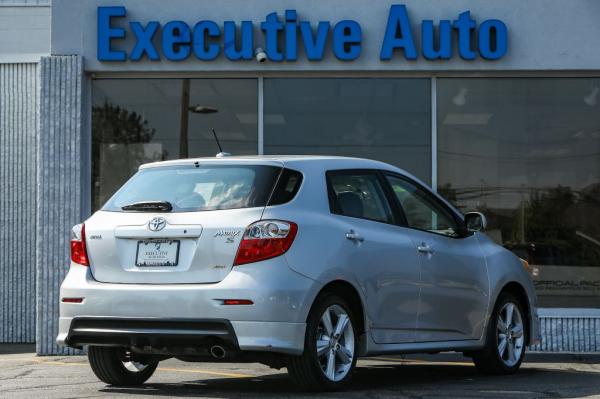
x=25, y=375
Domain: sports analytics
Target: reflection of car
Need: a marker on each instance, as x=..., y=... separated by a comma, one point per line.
x=298, y=262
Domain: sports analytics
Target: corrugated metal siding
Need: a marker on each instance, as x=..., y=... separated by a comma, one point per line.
x=569, y=334
x=18, y=168
x=21, y=3
x=59, y=186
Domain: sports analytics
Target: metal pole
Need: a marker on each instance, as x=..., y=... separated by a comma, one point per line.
x=261, y=119
x=183, y=119
x=434, y=155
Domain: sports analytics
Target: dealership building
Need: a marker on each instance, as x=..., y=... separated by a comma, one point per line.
x=496, y=105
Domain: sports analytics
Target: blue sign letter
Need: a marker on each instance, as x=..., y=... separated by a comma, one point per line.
x=493, y=50
x=464, y=24
x=106, y=33
x=291, y=40
x=314, y=47
x=246, y=40
x=144, y=41
x=398, y=34
x=271, y=26
x=346, y=40
x=176, y=39
x=428, y=41
x=202, y=31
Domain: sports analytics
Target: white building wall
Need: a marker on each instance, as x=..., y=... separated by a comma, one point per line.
x=24, y=30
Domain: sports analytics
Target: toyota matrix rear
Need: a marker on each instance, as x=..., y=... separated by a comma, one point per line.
x=298, y=262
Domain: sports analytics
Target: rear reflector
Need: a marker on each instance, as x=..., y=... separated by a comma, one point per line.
x=72, y=300
x=78, y=250
x=237, y=302
x=265, y=239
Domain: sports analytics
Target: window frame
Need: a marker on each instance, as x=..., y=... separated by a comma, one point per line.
x=397, y=218
x=431, y=196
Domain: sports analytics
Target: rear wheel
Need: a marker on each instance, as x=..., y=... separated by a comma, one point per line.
x=115, y=366
x=505, y=340
x=329, y=349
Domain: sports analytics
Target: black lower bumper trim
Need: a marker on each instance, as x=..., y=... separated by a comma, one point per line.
x=132, y=332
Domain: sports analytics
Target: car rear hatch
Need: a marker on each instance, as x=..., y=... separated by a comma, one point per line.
x=196, y=241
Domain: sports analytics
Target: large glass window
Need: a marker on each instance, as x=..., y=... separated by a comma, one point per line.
x=383, y=119
x=135, y=121
x=526, y=152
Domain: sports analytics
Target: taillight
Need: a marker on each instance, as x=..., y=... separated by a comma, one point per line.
x=78, y=250
x=264, y=240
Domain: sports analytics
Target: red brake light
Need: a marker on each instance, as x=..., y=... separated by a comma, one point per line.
x=264, y=240
x=72, y=300
x=237, y=302
x=78, y=250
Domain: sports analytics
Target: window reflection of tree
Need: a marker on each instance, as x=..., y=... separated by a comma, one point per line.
x=113, y=125
x=551, y=226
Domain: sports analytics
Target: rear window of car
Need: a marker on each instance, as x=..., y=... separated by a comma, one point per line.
x=199, y=188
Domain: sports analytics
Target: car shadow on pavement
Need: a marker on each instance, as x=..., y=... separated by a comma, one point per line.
x=393, y=380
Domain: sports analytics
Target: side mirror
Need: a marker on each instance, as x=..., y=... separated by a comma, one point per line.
x=475, y=221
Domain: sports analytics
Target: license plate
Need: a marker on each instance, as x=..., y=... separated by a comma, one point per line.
x=157, y=253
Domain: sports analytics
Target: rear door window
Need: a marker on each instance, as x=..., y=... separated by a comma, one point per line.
x=358, y=194
x=199, y=188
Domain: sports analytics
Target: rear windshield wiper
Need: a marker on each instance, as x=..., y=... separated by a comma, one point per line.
x=149, y=206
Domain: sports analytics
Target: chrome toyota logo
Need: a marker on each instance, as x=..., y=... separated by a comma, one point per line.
x=157, y=224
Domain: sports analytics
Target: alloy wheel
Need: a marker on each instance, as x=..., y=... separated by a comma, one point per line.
x=335, y=343
x=510, y=337
x=135, y=367
x=130, y=364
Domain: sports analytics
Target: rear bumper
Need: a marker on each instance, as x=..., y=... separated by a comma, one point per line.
x=173, y=334
x=141, y=313
x=147, y=332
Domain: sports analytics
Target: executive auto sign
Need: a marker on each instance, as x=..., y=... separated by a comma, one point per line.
x=283, y=35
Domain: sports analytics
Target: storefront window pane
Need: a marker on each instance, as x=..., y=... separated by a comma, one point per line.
x=526, y=152
x=383, y=119
x=135, y=121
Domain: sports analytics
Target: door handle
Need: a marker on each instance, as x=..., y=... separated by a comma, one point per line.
x=351, y=235
x=424, y=248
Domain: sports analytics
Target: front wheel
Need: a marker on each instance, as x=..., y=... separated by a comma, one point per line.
x=330, y=347
x=115, y=366
x=506, y=338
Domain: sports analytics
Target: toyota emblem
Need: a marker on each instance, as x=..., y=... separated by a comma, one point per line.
x=156, y=224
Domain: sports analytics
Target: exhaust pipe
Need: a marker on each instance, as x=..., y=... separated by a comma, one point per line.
x=218, y=352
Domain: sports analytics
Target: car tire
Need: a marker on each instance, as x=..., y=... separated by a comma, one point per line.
x=330, y=347
x=506, y=338
x=111, y=366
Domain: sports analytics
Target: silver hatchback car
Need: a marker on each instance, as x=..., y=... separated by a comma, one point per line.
x=304, y=262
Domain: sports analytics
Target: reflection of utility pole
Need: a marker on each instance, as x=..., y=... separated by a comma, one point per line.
x=522, y=214
x=481, y=193
x=183, y=119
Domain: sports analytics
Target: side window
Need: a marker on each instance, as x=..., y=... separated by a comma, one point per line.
x=287, y=187
x=360, y=195
x=422, y=211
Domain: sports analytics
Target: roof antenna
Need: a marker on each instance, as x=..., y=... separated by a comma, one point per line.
x=202, y=109
x=221, y=154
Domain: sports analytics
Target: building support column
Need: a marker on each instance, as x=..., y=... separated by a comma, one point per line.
x=18, y=170
x=62, y=167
